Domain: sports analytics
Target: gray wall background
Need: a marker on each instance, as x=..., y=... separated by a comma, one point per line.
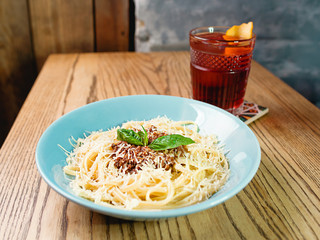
x=288, y=32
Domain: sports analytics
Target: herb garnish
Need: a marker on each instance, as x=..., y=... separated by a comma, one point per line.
x=170, y=141
x=130, y=136
x=140, y=138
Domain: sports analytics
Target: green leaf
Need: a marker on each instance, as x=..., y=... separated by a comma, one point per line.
x=144, y=136
x=145, y=140
x=169, y=142
x=129, y=136
x=141, y=135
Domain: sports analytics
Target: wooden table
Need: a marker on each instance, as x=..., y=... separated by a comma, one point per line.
x=281, y=202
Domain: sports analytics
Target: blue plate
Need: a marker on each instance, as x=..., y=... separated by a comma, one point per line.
x=244, y=155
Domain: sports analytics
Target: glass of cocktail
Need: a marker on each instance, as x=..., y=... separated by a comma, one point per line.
x=220, y=66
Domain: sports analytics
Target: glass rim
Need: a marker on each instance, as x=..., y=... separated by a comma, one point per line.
x=218, y=40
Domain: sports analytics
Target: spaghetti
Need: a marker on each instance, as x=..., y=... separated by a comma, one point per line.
x=117, y=174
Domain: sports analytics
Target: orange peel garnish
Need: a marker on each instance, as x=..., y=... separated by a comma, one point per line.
x=238, y=32
x=235, y=33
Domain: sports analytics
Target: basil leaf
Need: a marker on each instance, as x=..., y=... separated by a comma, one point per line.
x=169, y=142
x=129, y=136
x=141, y=135
x=145, y=140
x=144, y=136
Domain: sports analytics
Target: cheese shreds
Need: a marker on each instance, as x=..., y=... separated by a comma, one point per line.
x=117, y=174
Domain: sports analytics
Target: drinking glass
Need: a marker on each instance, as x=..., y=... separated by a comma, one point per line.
x=220, y=67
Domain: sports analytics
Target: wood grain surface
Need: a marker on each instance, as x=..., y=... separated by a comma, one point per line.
x=61, y=27
x=281, y=202
x=17, y=67
x=112, y=25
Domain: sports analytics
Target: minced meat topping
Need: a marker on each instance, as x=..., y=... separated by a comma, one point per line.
x=130, y=157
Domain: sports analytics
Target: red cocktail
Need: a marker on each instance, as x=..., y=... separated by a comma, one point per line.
x=220, y=67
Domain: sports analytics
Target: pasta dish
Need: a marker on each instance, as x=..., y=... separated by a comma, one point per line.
x=155, y=164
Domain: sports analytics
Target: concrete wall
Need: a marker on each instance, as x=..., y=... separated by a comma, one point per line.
x=288, y=32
